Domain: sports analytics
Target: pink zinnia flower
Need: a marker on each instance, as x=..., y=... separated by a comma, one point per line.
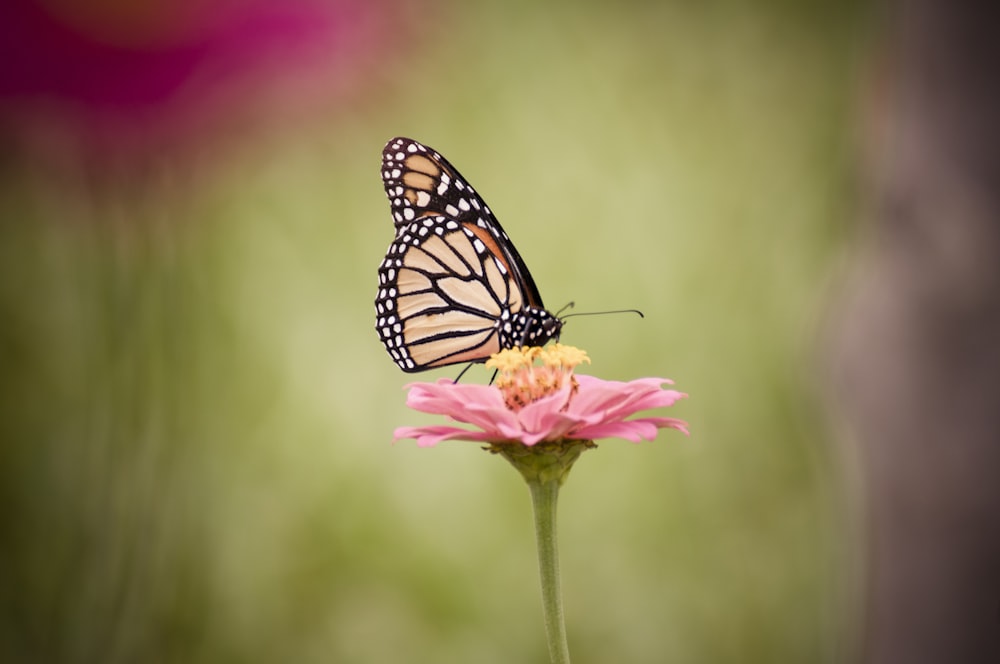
x=541, y=419
x=549, y=403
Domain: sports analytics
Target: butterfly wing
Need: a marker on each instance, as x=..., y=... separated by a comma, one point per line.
x=440, y=297
x=452, y=287
x=420, y=182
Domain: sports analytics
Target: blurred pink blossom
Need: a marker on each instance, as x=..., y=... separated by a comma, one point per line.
x=141, y=76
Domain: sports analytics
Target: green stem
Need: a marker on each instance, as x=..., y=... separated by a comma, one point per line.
x=544, y=496
x=545, y=467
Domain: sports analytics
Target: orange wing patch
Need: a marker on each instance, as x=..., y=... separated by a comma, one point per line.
x=491, y=244
x=422, y=164
x=421, y=173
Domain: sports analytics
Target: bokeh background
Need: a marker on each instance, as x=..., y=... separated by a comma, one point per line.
x=196, y=412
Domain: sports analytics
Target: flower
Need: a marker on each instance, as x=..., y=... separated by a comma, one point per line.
x=142, y=79
x=530, y=404
x=541, y=417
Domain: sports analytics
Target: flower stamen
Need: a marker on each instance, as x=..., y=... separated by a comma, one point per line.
x=523, y=382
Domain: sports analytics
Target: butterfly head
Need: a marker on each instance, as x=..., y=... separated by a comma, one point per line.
x=538, y=327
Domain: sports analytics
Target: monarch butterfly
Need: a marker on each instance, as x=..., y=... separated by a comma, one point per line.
x=452, y=287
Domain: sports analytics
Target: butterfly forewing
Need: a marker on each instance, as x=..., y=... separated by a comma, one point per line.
x=452, y=287
x=419, y=182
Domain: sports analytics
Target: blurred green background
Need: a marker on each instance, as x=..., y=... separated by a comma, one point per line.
x=197, y=414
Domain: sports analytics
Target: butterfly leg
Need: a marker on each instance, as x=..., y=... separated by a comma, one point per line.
x=462, y=372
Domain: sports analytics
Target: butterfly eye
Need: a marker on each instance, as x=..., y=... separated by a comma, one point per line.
x=452, y=287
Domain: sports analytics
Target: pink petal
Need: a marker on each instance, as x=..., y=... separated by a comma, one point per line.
x=602, y=395
x=445, y=396
x=536, y=417
x=635, y=430
x=561, y=425
x=530, y=439
x=613, y=400
x=479, y=405
x=671, y=423
x=432, y=435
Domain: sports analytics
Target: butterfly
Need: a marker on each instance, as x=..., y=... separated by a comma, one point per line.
x=452, y=288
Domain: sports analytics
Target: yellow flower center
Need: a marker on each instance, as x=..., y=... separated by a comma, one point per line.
x=529, y=373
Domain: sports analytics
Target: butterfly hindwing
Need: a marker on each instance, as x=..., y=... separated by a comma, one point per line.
x=440, y=299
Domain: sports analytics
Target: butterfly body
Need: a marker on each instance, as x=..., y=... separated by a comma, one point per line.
x=452, y=287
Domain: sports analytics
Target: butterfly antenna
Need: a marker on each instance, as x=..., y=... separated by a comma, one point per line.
x=601, y=313
x=569, y=305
